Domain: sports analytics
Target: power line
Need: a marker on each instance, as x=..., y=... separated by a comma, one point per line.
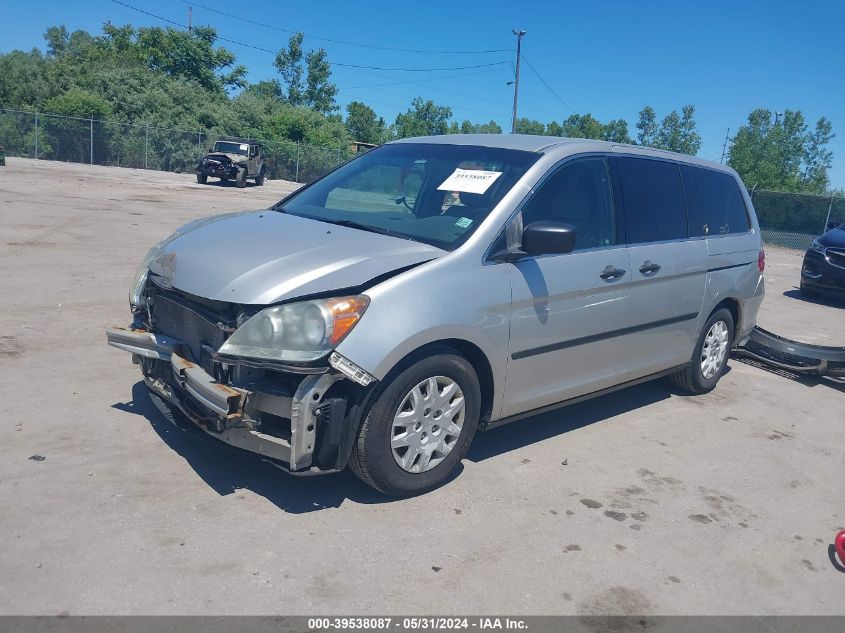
x=344, y=65
x=344, y=42
x=416, y=81
x=545, y=83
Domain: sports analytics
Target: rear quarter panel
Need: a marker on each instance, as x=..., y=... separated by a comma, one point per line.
x=733, y=272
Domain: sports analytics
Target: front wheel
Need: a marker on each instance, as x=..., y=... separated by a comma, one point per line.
x=419, y=426
x=240, y=179
x=710, y=356
x=202, y=178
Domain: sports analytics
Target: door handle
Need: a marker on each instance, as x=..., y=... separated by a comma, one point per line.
x=611, y=273
x=648, y=268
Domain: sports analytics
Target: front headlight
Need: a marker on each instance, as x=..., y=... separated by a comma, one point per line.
x=817, y=246
x=140, y=278
x=297, y=332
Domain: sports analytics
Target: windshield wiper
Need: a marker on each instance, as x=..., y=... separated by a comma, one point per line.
x=365, y=227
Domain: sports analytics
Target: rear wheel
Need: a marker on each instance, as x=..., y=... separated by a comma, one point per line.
x=240, y=179
x=419, y=426
x=202, y=178
x=259, y=179
x=710, y=356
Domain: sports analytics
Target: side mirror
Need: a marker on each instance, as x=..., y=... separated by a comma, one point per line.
x=210, y=149
x=548, y=238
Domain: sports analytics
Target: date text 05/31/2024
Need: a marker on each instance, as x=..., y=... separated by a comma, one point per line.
x=415, y=623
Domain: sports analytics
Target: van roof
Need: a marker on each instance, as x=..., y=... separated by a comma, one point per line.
x=558, y=145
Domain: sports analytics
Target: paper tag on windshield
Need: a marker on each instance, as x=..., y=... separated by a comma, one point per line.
x=469, y=180
x=463, y=222
x=244, y=147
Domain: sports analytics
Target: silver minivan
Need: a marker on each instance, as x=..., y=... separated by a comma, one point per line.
x=433, y=287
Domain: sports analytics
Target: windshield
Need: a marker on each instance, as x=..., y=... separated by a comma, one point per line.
x=230, y=147
x=437, y=194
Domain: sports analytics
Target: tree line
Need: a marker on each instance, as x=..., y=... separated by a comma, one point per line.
x=182, y=79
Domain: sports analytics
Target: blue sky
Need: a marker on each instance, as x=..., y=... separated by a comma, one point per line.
x=609, y=59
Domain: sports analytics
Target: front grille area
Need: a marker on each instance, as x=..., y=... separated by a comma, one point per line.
x=836, y=257
x=200, y=324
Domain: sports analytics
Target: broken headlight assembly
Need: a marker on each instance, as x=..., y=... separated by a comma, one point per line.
x=296, y=332
x=136, y=290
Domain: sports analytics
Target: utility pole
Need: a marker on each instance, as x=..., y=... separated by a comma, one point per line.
x=190, y=15
x=519, y=33
x=725, y=145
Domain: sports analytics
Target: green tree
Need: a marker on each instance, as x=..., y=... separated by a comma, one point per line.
x=817, y=158
x=266, y=88
x=669, y=134
x=616, y=131
x=289, y=64
x=57, y=40
x=423, y=118
x=587, y=126
x=468, y=127
x=363, y=123
x=190, y=55
x=530, y=126
x=677, y=132
x=318, y=92
x=582, y=126
x=690, y=139
x=78, y=103
x=647, y=126
x=783, y=156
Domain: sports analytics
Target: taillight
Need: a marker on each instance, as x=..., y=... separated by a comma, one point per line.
x=761, y=260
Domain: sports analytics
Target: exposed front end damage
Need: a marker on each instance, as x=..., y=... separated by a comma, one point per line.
x=303, y=418
x=221, y=165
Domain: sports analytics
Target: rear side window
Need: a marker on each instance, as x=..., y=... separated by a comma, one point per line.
x=653, y=198
x=714, y=202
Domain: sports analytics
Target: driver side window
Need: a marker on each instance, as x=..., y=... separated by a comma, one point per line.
x=578, y=193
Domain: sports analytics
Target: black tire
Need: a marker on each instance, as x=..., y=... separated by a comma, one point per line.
x=202, y=178
x=240, y=179
x=372, y=457
x=259, y=179
x=691, y=379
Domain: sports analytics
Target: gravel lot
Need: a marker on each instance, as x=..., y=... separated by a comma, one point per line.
x=717, y=504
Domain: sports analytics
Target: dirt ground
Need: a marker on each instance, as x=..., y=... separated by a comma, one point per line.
x=643, y=502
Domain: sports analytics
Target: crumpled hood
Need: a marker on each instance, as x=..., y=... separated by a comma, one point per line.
x=235, y=158
x=262, y=257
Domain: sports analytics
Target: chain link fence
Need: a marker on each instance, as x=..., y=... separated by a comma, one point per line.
x=792, y=220
x=100, y=142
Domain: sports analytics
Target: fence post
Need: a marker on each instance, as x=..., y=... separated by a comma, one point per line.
x=92, y=139
x=36, y=134
x=829, y=209
x=146, y=144
x=296, y=177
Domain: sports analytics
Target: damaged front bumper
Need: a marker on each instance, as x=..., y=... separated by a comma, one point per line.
x=295, y=425
x=218, y=169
